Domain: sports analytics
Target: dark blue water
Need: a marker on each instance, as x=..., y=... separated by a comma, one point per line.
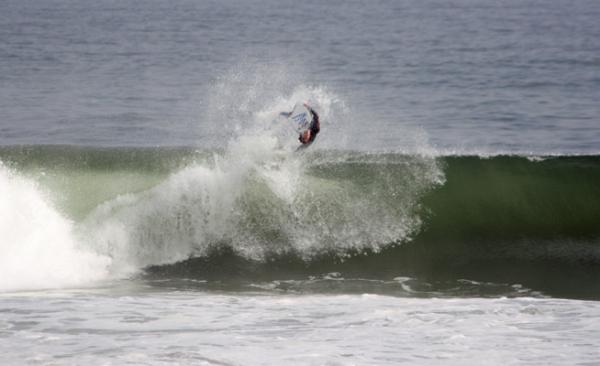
x=476, y=76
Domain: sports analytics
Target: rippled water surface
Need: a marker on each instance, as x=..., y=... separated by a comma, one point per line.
x=172, y=221
x=474, y=75
x=228, y=329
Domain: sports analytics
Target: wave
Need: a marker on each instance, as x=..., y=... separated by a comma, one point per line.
x=268, y=213
x=498, y=220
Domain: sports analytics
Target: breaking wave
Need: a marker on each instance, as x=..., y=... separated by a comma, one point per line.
x=99, y=213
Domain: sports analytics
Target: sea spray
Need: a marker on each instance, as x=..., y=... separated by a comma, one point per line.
x=259, y=197
x=261, y=203
x=249, y=97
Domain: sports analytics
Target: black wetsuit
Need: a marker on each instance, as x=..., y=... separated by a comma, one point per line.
x=315, y=126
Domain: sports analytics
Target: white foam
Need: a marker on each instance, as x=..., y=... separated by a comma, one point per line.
x=164, y=224
x=257, y=197
x=38, y=248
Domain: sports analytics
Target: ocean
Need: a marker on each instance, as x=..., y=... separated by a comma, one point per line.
x=155, y=210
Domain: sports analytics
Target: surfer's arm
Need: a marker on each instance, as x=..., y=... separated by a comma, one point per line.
x=315, y=116
x=315, y=120
x=285, y=114
x=312, y=111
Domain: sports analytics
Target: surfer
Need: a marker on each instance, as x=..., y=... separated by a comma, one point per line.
x=309, y=135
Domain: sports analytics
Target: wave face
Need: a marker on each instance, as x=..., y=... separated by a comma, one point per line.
x=518, y=220
x=263, y=213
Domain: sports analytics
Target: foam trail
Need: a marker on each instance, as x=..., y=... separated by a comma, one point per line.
x=38, y=248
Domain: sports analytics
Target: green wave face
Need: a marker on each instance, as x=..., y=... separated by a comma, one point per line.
x=214, y=214
x=513, y=198
x=513, y=219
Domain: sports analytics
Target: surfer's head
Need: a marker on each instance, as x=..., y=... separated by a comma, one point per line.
x=305, y=137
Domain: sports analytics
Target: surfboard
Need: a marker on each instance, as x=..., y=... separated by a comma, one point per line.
x=300, y=118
